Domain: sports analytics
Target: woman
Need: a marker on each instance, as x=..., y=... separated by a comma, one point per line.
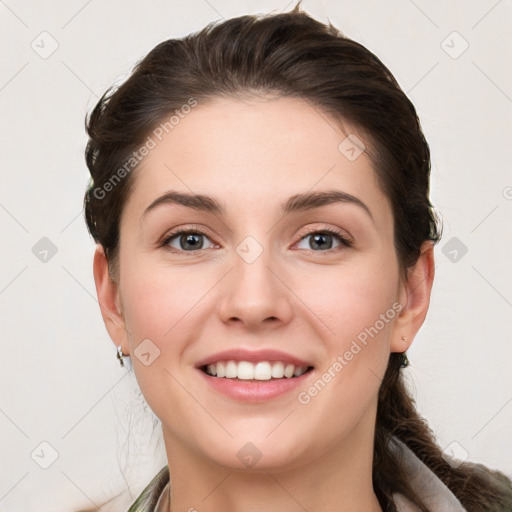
x=271, y=348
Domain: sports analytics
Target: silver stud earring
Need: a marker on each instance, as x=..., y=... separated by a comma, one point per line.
x=120, y=355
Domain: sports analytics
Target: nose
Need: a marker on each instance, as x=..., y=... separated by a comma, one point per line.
x=256, y=293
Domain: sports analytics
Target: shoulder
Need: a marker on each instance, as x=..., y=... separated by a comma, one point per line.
x=149, y=497
x=498, y=480
x=436, y=494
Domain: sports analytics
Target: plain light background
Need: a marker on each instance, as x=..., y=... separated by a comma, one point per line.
x=61, y=384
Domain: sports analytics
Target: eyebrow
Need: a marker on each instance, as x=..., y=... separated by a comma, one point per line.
x=295, y=203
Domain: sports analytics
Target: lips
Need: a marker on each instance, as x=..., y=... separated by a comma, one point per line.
x=261, y=365
x=256, y=356
x=254, y=376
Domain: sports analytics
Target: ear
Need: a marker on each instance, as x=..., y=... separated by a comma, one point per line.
x=109, y=300
x=415, y=299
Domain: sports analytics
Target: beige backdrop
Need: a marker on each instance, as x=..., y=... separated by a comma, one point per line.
x=73, y=431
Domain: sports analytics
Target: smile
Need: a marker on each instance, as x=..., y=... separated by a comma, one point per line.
x=261, y=370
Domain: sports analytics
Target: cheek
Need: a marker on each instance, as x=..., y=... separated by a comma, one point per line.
x=359, y=309
x=365, y=311
x=157, y=302
x=353, y=299
x=145, y=312
x=157, y=310
x=158, y=315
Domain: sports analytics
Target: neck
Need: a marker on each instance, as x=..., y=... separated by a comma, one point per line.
x=339, y=479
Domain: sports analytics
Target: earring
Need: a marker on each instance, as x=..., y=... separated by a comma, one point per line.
x=120, y=355
x=405, y=361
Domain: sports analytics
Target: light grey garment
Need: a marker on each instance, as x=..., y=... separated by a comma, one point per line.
x=434, y=493
x=436, y=496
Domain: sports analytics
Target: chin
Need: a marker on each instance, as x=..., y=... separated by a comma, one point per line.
x=257, y=454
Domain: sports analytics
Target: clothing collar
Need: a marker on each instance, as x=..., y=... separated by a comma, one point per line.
x=434, y=493
x=428, y=486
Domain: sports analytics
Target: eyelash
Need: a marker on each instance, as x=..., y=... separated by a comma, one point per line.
x=337, y=233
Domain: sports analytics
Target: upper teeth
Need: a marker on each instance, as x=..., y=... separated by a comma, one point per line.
x=263, y=370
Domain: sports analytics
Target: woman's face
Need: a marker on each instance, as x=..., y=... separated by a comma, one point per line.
x=262, y=279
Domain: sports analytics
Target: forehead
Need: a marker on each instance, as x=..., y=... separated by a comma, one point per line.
x=255, y=151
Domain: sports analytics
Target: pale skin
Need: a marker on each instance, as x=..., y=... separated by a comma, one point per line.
x=251, y=155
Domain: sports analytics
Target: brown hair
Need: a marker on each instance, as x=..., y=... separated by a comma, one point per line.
x=292, y=55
